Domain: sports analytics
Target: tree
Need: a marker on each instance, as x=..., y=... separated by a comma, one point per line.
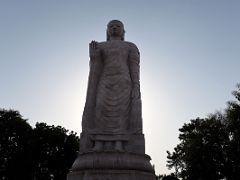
x=15, y=158
x=40, y=153
x=169, y=177
x=199, y=154
x=232, y=124
x=209, y=147
x=166, y=177
x=54, y=151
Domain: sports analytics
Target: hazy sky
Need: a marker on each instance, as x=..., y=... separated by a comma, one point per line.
x=189, y=50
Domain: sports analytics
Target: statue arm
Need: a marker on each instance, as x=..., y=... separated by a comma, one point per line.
x=136, y=105
x=95, y=60
x=95, y=65
x=134, y=61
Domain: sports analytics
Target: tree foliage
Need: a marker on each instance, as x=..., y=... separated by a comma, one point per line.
x=166, y=177
x=209, y=148
x=40, y=153
x=15, y=155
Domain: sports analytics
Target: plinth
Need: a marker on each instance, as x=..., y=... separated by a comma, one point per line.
x=109, y=161
x=111, y=165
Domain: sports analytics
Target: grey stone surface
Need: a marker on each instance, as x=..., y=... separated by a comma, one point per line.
x=111, y=175
x=112, y=144
x=133, y=143
x=113, y=160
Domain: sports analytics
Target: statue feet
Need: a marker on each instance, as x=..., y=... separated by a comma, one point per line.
x=108, y=146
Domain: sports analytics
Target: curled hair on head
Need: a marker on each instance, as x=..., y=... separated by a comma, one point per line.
x=112, y=21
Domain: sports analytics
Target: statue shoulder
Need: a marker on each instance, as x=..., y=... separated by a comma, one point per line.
x=131, y=45
x=102, y=44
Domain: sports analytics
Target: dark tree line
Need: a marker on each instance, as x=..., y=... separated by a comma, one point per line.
x=40, y=153
x=209, y=148
x=166, y=177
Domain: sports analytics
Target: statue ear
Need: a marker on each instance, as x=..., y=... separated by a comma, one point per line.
x=123, y=35
x=107, y=34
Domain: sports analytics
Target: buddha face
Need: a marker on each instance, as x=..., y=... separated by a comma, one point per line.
x=115, y=29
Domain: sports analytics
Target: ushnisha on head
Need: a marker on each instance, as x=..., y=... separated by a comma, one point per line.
x=115, y=30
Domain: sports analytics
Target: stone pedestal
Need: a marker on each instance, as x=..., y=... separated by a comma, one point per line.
x=111, y=175
x=111, y=165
